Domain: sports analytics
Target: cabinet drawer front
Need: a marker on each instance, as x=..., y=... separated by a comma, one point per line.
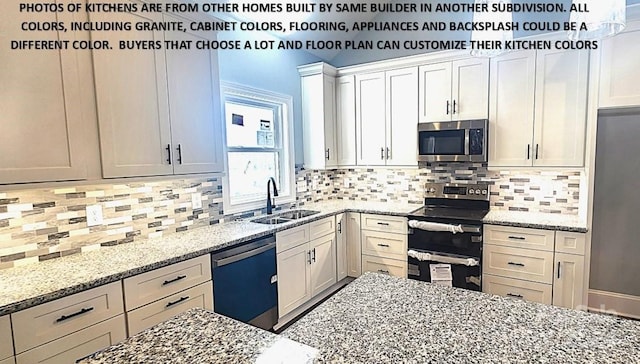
x=49, y=321
x=531, y=265
x=151, y=286
x=396, y=268
x=290, y=238
x=6, y=343
x=389, y=224
x=385, y=245
x=519, y=237
x=166, y=308
x=515, y=288
x=77, y=345
x=322, y=227
x=572, y=243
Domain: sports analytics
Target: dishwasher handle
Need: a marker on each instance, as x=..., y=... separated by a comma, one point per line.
x=224, y=259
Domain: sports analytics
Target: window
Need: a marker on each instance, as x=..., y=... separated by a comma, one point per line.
x=259, y=145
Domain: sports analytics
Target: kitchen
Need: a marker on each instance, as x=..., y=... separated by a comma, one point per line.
x=123, y=206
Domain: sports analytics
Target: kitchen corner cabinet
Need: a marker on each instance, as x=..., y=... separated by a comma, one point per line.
x=341, y=246
x=158, y=110
x=354, y=247
x=538, y=103
x=346, y=120
x=318, y=87
x=42, y=116
x=306, y=266
x=619, y=77
x=386, y=118
x=455, y=90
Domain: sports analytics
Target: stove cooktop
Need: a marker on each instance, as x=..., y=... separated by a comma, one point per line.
x=449, y=213
x=452, y=201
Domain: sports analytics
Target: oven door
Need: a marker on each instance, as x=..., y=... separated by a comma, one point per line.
x=466, y=271
x=467, y=243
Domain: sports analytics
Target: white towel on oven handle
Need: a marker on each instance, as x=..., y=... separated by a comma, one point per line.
x=435, y=226
x=422, y=256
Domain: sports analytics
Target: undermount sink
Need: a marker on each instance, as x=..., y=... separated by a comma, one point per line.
x=283, y=217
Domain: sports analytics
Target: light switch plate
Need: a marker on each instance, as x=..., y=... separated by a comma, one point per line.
x=196, y=200
x=94, y=215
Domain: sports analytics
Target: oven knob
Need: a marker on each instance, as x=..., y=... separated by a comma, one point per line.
x=477, y=192
x=432, y=190
x=484, y=192
x=471, y=191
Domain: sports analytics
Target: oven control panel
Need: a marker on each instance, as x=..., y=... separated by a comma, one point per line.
x=458, y=190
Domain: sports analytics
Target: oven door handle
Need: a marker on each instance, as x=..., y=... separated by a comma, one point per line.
x=424, y=255
x=436, y=226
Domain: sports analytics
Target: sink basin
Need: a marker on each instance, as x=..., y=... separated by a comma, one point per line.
x=284, y=217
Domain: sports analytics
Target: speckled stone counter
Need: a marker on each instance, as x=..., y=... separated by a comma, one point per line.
x=199, y=336
x=30, y=285
x=382, y=319
x=536, y=220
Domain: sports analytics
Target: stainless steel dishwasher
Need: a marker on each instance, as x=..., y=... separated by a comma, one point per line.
x=244, y=282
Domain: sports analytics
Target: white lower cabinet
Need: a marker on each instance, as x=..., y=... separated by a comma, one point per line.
x=384, y=244
x=6, y=340
x=354, y=247
x=305, y=267
x=393, y=267
x=77, y=345
x=341, y=246
x=535, y=265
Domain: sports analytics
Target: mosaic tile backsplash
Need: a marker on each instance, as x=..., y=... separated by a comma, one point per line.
x=42, y=224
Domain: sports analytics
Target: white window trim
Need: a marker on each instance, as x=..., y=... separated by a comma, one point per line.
x=234, y=89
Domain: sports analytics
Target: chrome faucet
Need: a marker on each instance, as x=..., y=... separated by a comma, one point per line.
x=271, y=204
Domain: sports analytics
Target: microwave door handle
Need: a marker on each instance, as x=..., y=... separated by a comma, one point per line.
x=466, y=142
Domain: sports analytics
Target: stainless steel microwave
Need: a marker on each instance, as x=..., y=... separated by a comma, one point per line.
x=453, y=141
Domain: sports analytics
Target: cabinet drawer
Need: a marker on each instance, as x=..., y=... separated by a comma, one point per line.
x=151, y=286
x=571, y=243
x=396, y=268
x=166, y=308
x=519, y=237
x=78, y=345
x=291, y=238
x=322, y=227
x=49, y=321
x=515, y=288
x=531, y=265
x=389, y=224
x=385, y=245
x=6, y=342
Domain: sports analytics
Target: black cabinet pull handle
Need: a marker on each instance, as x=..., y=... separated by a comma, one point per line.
x=382, y=153
x=384, y=245
x=314, y=254
x=516, y=264
x=309, y=254
x=537, y=151
x=340, y=227
x=388, y=153
x=528, y=151
x=327, y=154
x=514, y=295
x=558, y=270
x=182, y=299
x=517, y=237
x=82, y=311
x=168, y=148
x=179, y=153
x=383, y=271
x=454, y=106
x=383, y=223
x=178, y=278
x=447, y=107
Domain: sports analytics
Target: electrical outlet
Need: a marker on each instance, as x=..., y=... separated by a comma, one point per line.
x=94, y=215
x=196, y=200
x=346, y=183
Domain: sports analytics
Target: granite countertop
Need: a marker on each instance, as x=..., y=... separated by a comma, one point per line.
x=199, y=336
x=30, y=285
x=537, y=220
x=382, y=319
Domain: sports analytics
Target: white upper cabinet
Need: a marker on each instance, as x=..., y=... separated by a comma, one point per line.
x=538, y=109
x=619, y=76
x=386, y=118
x=455, y=90
x=41, y=117
x=346, y=120
x=159, y=112
x=319, y=115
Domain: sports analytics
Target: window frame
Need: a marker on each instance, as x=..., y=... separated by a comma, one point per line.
x=234, y=91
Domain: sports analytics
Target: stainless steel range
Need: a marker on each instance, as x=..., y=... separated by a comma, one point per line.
x=445, y=236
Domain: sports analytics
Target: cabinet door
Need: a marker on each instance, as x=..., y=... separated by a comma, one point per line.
x=470, y=89
x=131, y=95
x=294, y=280
x=568, y=283
x=561, y=108
x=619, y=77
x=6, y=342
x=318, y=114
x=341, y=246
x=512, y=92
x=370, y=118
x=354, y=247
x=330, y=129
x=345, y=121
x=40, y=104
x=402, y=117
x=435, y=92
x=194, y=104
x=323, y=266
